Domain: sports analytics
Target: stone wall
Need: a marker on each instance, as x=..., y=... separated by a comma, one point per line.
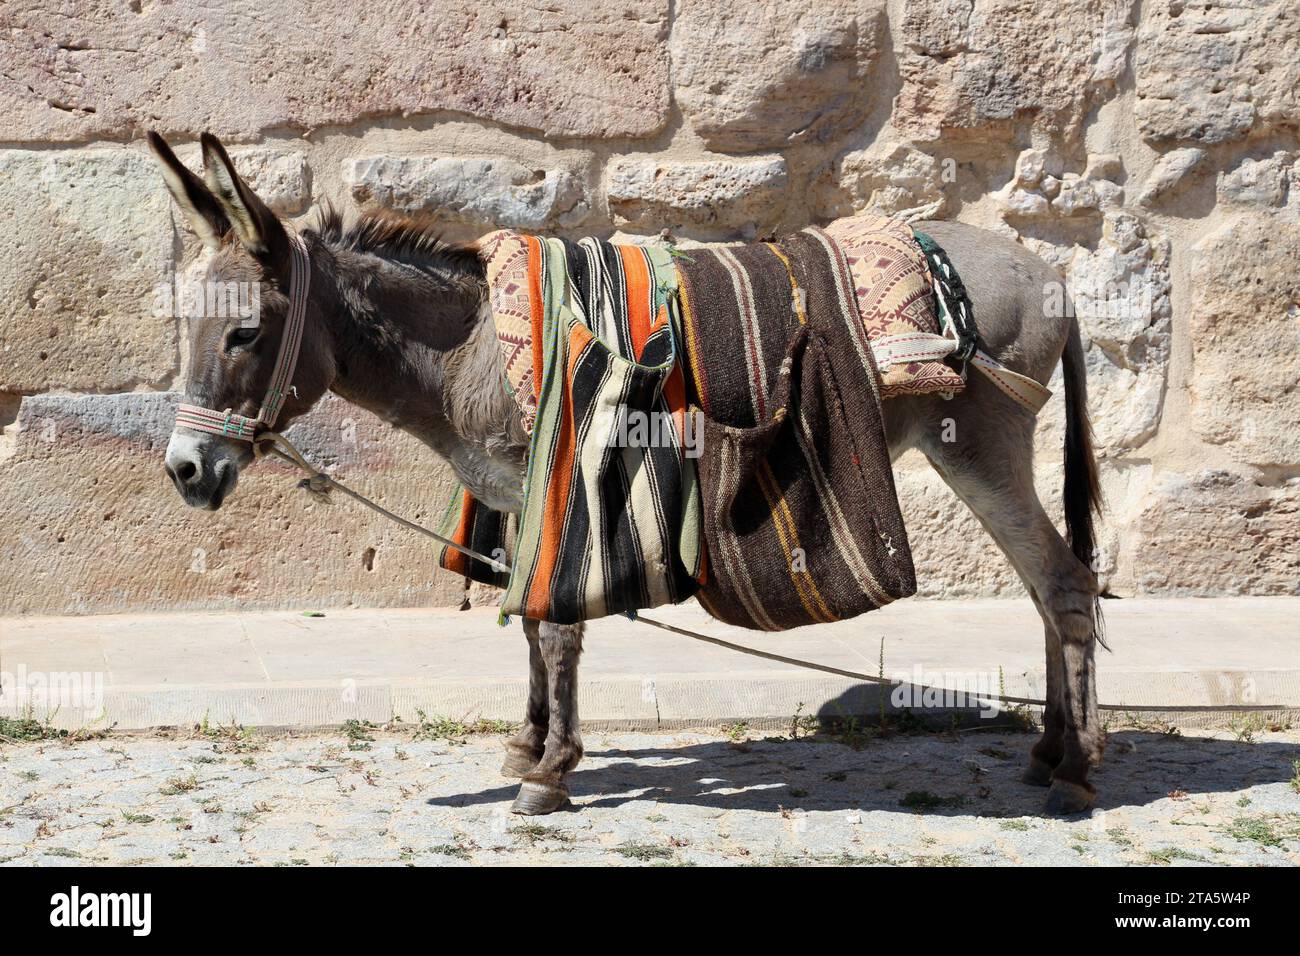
x=1149, y=150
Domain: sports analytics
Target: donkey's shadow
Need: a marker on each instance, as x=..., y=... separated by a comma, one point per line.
x=970, y=774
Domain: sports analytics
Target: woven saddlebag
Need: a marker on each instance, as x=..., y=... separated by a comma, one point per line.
x=801, y=516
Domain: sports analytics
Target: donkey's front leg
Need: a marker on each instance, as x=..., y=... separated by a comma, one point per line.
x=543, y=789
x=524, y=750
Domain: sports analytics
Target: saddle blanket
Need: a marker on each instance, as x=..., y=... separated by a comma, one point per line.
x=611, y=518
x=708, y=420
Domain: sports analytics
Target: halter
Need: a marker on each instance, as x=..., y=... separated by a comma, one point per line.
x=227, y=423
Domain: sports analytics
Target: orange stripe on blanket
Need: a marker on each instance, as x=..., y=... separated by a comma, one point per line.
x=535, y=262
x=455, y=560
x=559, y=484
x=636, y=273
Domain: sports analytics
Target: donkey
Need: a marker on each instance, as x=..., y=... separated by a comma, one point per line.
x=397, y=322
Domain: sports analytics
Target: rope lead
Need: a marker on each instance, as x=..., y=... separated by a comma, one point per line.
x=320, y=483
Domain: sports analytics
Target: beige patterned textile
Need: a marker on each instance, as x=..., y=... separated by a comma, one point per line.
x=896, y=302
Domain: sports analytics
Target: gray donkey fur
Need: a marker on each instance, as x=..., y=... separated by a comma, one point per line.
x=397, y=323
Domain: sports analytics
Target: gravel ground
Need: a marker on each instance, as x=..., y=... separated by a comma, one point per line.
x=388, y=797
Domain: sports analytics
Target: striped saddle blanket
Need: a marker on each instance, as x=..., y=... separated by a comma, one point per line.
x=611, y=518
x=708, y=422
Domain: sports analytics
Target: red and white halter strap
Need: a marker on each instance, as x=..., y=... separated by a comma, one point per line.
x=229, y=424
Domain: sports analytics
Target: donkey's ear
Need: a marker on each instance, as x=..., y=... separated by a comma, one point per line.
x=260, y=231
x=198, y=206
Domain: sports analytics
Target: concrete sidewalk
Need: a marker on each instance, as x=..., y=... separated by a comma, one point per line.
x=284, y=669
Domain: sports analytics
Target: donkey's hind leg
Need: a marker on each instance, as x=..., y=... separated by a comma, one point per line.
x=524, y=750
x=1046, y=755
x=989, y=466
x=543, y=789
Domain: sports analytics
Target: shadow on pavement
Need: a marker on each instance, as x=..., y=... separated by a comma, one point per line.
x=970, y=774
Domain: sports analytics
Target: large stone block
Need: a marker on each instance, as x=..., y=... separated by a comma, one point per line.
x=87, y=242
x=988, y=65
x=485, y=192
x=1125, y=483
x=1245, y=325
x=1217, y=70
x=740, y=194
x=279, y=173
x=887, y=179
x=1119, y=289
x=103, y=530
x=280, y=177
x=83, y=69
x=1269, y=181
x=1217, y=532
x=764, y=75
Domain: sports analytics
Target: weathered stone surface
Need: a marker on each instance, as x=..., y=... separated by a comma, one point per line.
x=1119, y=288
x=1170, y=170
x=1042, y=189
x=1031, y=166
x=1217, y=532
x=1125, y=401
x=1260, y=182
x=1025, y=203
x=891, y=180
x=1124, y=487
x=763, y=75
x=789, y=100
x=103, y=530
x=88, y=239
x=96, y=68
x=741, y=193
x=1216, y=71
x=1122, y=288
x=487, y=192
x=9, y=405
x=280, y=177
x=985, y=66
x=1245, y=326
x=1121, y=297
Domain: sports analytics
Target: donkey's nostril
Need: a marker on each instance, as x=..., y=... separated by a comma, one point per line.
x=186, y=471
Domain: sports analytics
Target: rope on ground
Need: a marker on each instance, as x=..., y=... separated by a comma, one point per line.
x=319, y=483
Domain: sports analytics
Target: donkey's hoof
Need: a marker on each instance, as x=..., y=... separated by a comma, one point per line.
x=536, y=799
x=1038, y=773
x=519, y=762
x=1066, y=798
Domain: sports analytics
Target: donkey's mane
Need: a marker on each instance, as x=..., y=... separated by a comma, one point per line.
x=396, y=237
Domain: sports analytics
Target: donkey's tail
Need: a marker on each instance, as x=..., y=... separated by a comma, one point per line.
x=1082, y=483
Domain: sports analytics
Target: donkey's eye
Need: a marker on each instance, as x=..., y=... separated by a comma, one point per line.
x=240, y=336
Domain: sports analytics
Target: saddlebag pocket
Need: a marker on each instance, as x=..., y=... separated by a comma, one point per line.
x=801, y=521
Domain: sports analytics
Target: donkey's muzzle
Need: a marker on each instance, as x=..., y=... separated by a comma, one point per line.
x=202, y=478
